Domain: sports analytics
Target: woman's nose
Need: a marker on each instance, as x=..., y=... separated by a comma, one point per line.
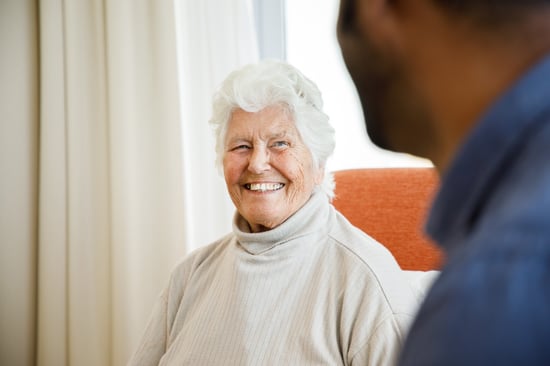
x=259, y=160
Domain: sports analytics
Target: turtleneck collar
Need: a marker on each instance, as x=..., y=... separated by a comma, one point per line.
x=311, y=217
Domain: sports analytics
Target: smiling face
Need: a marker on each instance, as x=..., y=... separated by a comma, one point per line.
x=268, y=169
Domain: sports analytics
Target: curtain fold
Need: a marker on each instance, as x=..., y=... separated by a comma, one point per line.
x=18, y=180
x=74, y=218
x=146, y=162
x=107, y=163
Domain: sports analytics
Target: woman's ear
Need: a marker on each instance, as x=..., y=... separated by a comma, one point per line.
x=319, y=176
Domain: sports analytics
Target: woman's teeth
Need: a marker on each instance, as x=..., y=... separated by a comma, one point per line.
x=262, y=187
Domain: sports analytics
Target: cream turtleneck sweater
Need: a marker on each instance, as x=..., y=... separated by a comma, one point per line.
x=313, y=291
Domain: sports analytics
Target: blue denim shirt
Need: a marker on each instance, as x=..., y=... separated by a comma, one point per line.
x=491, y=304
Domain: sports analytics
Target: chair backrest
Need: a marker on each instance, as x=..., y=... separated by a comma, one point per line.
x=391, y=205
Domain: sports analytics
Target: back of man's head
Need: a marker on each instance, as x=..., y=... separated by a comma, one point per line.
x=491, y=13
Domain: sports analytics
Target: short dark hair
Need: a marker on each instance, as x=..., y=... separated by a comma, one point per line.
x=490, y=13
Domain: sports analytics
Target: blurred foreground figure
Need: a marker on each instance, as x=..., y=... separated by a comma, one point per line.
x=467, y=85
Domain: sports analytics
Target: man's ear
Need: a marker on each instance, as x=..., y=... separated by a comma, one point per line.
x=379, y=19
x=346, y=16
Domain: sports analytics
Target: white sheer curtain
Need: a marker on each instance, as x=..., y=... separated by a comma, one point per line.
x=305, y=47
x=215, y=37
x=103, y=188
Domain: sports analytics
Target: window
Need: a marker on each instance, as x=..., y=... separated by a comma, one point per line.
x=304, y=33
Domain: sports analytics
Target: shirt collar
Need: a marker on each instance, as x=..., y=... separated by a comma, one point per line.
x=484, y=155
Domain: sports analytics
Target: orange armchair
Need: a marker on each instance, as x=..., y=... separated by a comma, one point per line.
x=391, y=205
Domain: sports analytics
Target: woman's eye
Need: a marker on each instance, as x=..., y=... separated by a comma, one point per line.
x=241, y=147
x=281, y=144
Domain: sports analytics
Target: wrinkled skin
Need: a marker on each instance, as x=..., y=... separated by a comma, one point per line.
x=266, y=148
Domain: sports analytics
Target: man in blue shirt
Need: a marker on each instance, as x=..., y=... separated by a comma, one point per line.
x=467, y=85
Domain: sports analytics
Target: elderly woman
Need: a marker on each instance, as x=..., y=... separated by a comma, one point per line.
x=294, y=283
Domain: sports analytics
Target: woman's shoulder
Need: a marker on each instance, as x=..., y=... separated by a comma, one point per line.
x=358, y=243
x=373, y=264
x=200, y=259
x=199, y=256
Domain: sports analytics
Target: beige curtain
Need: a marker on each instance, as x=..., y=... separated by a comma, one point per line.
x=18, y=180
x=111, y=208
x=91, y=165
x=107, y=172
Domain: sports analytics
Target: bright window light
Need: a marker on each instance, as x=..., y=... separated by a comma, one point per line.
x=312, y=47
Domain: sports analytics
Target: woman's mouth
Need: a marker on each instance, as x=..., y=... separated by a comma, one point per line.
x=263, y=187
